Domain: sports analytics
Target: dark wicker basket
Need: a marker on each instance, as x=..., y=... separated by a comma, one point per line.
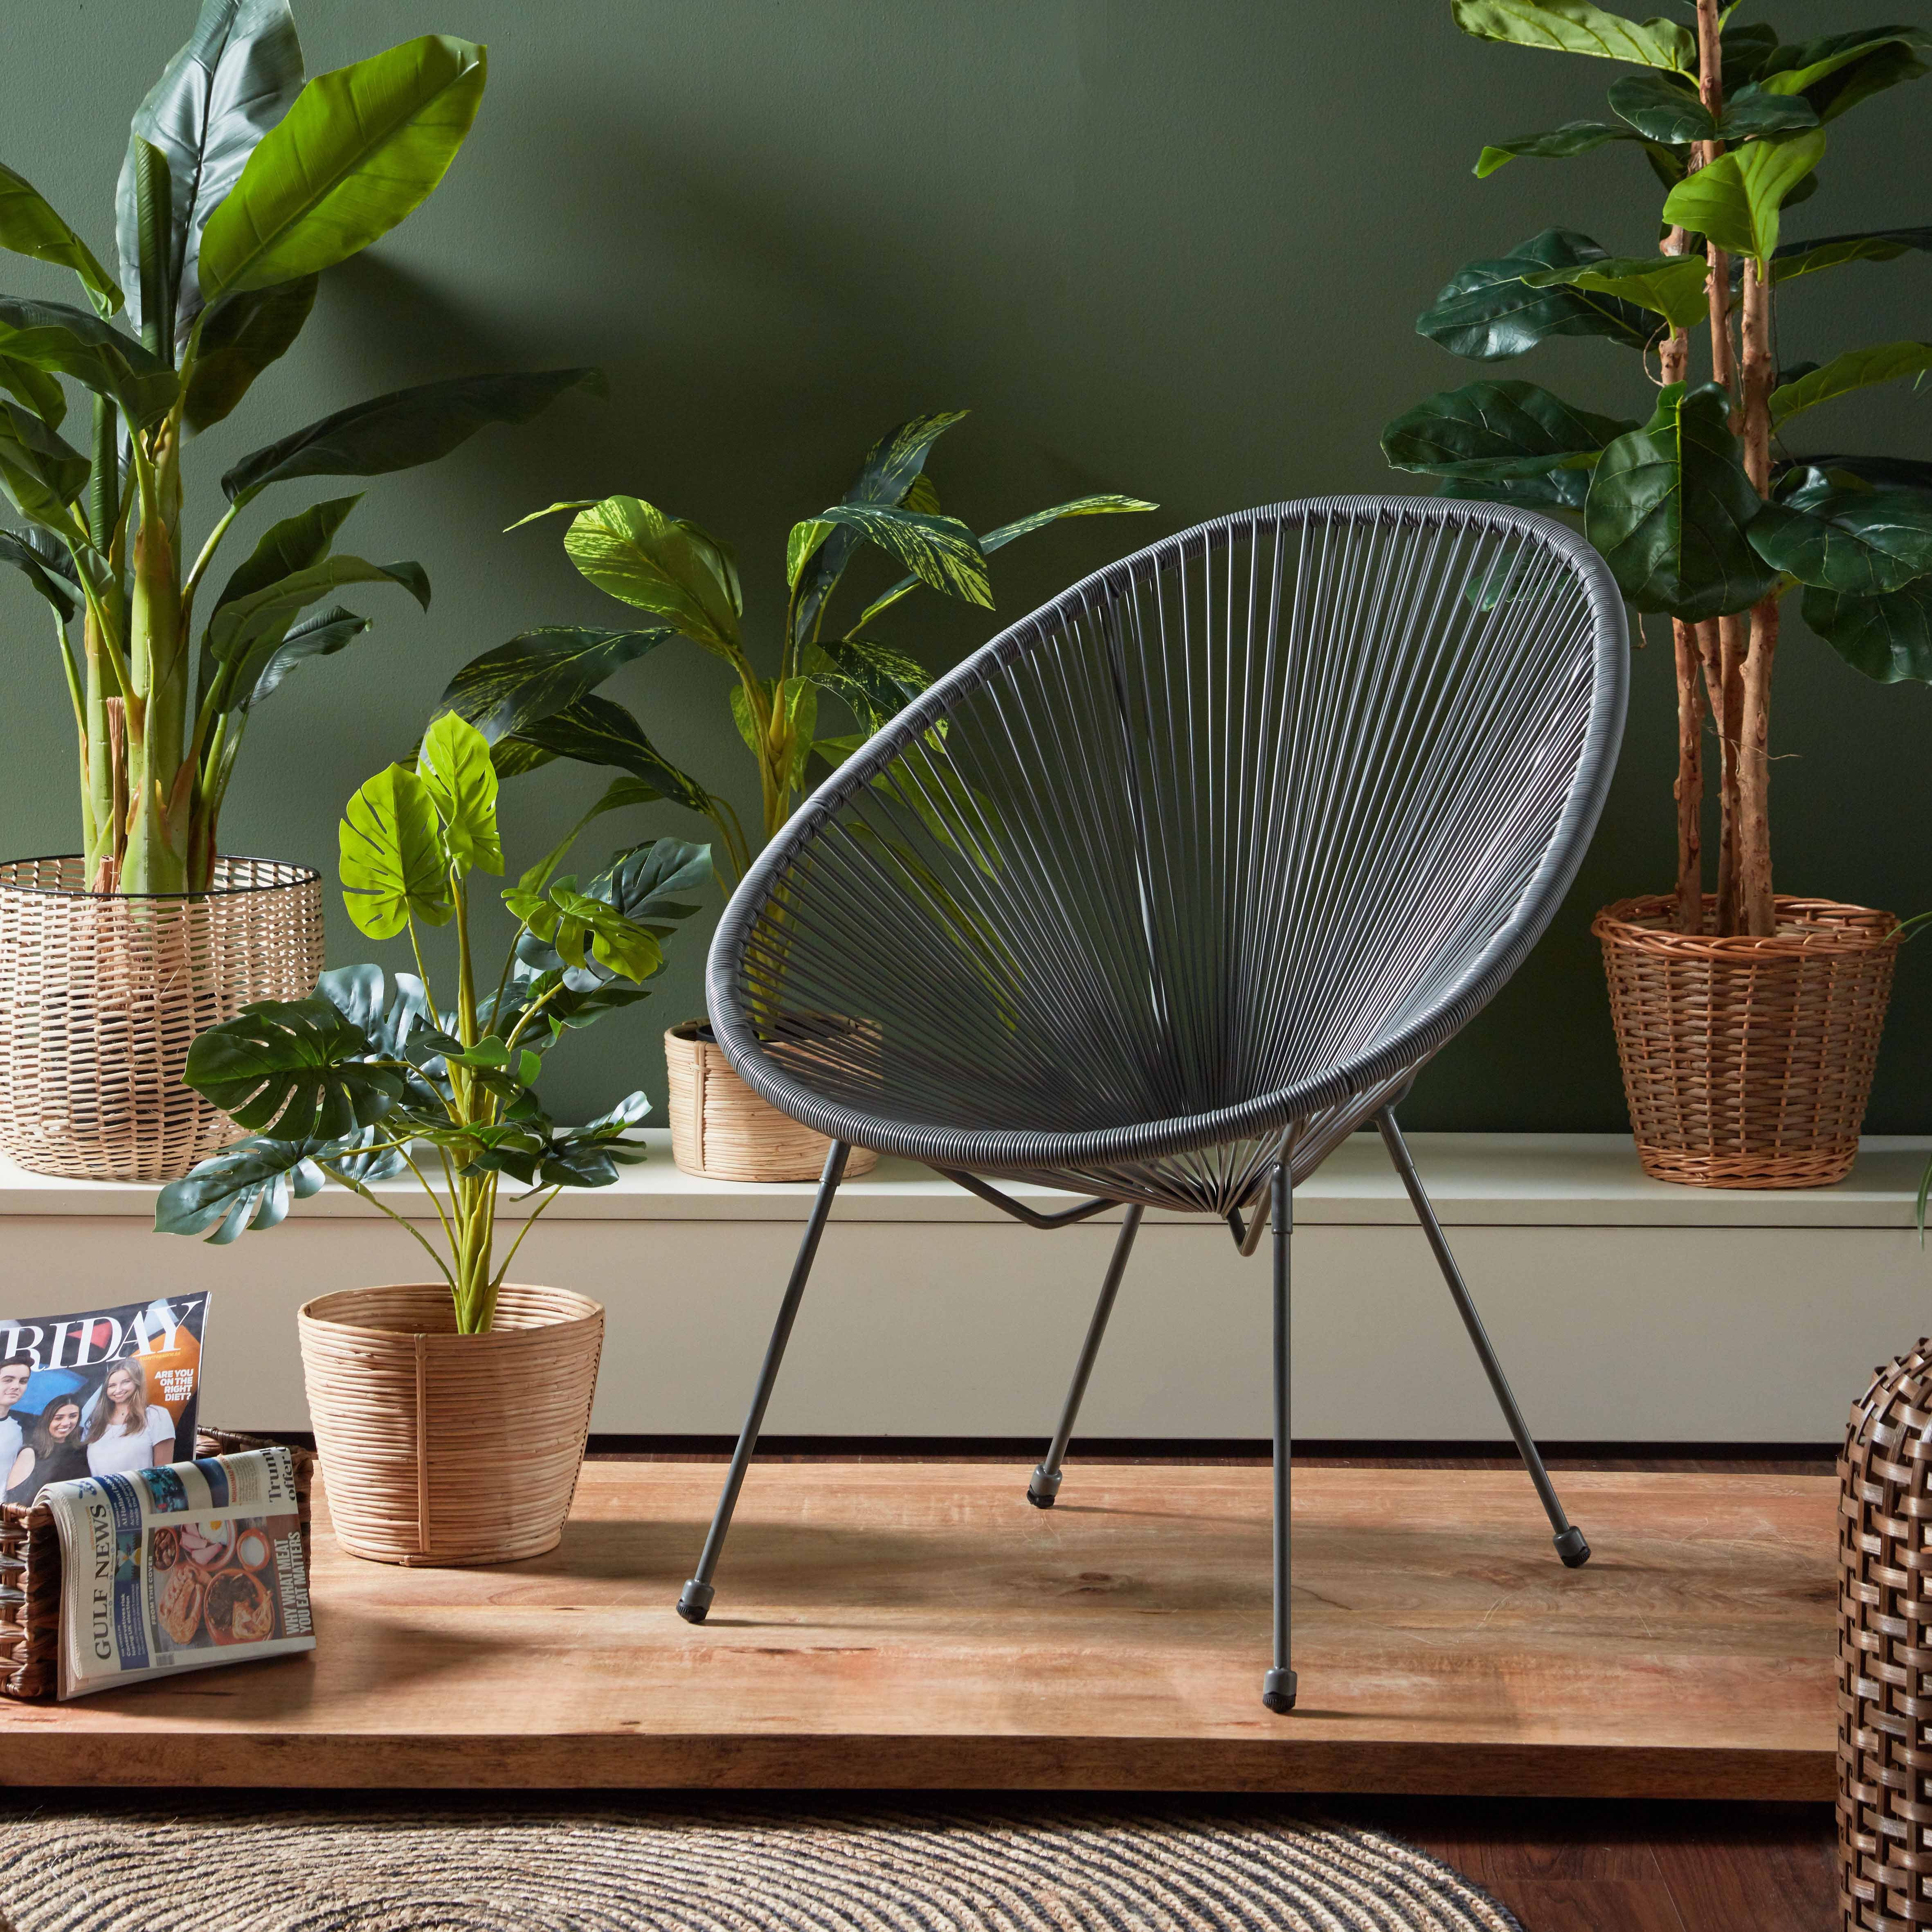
x=1884, y=1651
x=30, y=1573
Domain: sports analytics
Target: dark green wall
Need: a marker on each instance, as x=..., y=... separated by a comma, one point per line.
x=1173, y=249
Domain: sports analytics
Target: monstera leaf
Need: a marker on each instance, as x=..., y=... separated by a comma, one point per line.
x=455, y=766
x=297, y=1070
x=249, y=1186
x=1487, y=311
x=395, y=866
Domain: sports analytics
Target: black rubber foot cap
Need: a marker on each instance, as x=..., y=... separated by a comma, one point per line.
x=1571, y=1547
x=695, y=1603
x=1044, y=1486
x=1278, y=1689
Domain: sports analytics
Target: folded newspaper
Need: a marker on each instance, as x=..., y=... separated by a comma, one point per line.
x=178, y=1568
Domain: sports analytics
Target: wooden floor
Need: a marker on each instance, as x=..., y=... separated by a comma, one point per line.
x=919, y=1626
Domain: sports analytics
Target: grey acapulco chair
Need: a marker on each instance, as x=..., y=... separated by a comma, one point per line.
x=1177, y=883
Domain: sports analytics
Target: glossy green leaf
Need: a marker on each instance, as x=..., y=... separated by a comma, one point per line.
x=1577, y=27
x=1668, y=508
x=39, y=471
x=1837, y=72
x=404, y=428
x=805, y=538
x=1486, y=312
x=1902, y=472
x=1753, y=112
x=240, y=338
x=663, y=564
x=539, y=672
x=1856, y=369
x=1875, y=244
x=1557, y=144
x=155, y=279
x=620, y=795
x=235, y=626
x=299, y=1070
x=236, y=76
x=922, y=494
x=244, y=1188
x=453, y=763
x=394, y=866
x=1888, y=638
x=1735, y=201
x=43, y=561
x=261, y=672
x=1662, y=108
x=594, y=731
x=1863, y=542
x=1745, y=45
x=873, y=681
x=941, y=551
x=69, y=341
x=40, y=390
x=359, y=149
x=1554, y=489
x=1671, y=286
x=296, y=543
x=28, y=225
x=1492, y=432
x=653, y=884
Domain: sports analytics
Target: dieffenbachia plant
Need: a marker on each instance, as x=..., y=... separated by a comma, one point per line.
x=535, y=699
x=369, y=1076
x=243, y=182
x=1703, y=512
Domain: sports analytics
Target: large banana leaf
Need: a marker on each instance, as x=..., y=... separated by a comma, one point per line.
x=1734, y=202
x=1576, y=27
x=28, y=225
x=299, y=1070
x=394, y=864
x=358, y=150
x=296, y=543
x=594, y=731
x=1888, y=638
x=249, y=1186
x=941, y=551
x=238, y=75
x=1491, y=432
x=1838, y=71
x=1856, y=369
x=1671, y=286
x=269, y=611
x=539, y=672
x=41, y=392
x=69, y=341
x=1862, y=542
x=1669, y=507
x=1486, y=312
x=240, y=339
x=40, y=473
x=404, y=428
x=41, y=559
x=453, y=764
x=664, y=565
x=270, y=660
x=1874, y=244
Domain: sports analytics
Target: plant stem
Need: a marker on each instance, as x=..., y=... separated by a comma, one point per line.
x=1755, y=906
x=1674, y=360
x=208, y=550
x=342, y=1179
x=530, y=1222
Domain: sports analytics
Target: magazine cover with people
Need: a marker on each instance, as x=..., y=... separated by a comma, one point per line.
x=98, y=1394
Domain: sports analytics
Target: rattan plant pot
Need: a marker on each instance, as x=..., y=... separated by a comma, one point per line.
x=721, y=1130
x=102, y=993
x=1885, y=1651
x=1748, y=1062
x=443, y=1450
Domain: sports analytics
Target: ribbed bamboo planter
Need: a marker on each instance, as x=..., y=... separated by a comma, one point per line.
x=1748, y=1062
x=721, y=1130
x=446, y=1450
x=102, y=993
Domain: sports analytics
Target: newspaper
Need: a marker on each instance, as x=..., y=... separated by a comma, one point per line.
x=179, y=1568
x=100, y=1393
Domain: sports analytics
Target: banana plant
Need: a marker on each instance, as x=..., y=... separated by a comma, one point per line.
x=1702, y=511
x=244, y=182
x=370, y=1076
x=536, y=697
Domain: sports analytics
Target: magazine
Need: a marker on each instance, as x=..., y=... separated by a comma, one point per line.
x=100, y=1393
x=179, y=1568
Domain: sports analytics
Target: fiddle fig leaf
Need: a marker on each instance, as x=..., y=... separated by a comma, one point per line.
x=1898, y=472
x=1753, y=112
x=1486, y=312
x=1863, y=542
x=68, y=341
x=1837, y=72
x=41, y=559
x=1856, y=369
x=40, y=473
x=1669, y=507
x=297, y=1069
x=1876, y=245
x=1889, y=639
x=28, y=225
x=246, y=1187
x=1577, y=27
x=941, y=551
x=357, y=150
x=394, y=864
x=539, y=672
x=1734, y=202
x=1557, y=144
x=663, y=564
x=403, y=429
x=1494, y=432
x=1663, y=108
x=453, y=764
x=1671, y=286
x=240, y=338
x=1745, y=46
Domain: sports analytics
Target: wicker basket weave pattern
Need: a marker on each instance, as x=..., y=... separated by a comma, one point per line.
x=1748, y=1062
x=102, y=993
x=721, y=1130
x=1884, y=1651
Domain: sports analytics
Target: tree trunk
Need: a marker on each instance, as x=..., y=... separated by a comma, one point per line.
x=1755, y=906
x=160, y=776
x=1673, y=360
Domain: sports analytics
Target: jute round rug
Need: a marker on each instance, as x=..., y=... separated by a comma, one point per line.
x=595, y=1869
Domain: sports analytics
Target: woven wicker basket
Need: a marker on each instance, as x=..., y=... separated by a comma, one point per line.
x=721, y=1130
x=30, y=1574
x=446, y=1450
x=102, y=993
x=1884, y=1651
x=1748, y=1062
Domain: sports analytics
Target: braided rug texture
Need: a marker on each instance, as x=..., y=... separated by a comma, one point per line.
x=728, y=1870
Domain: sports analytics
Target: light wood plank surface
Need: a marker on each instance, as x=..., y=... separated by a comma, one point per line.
x=918, y=1625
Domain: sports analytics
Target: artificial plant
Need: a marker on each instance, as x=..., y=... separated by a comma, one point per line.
x=1702, y=512
x=357, y=1082
x=536, y=697
x=242, y=183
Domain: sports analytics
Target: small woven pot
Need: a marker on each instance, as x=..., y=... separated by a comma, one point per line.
x=722, y=1131
x=1748, y=1062
x=443, y=1450
x=1885, y=1651
x=102, y=993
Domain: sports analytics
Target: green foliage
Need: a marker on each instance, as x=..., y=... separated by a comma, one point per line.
x=1736, y=202
x=1486, y=312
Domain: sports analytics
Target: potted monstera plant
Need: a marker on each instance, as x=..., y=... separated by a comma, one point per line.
x=536, y=698
x=450, y=1416
x=243, y=183
x=1748, y=1019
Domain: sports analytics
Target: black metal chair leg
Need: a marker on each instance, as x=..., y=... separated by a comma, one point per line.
x=695, y=1602
x=1570, y=1546
x=1045, y=1484
x=1278, y=1688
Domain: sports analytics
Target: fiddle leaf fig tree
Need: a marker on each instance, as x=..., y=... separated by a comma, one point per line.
x=244, y=182
x=371, y=1076
x=535, y=698
x=1703, y=511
